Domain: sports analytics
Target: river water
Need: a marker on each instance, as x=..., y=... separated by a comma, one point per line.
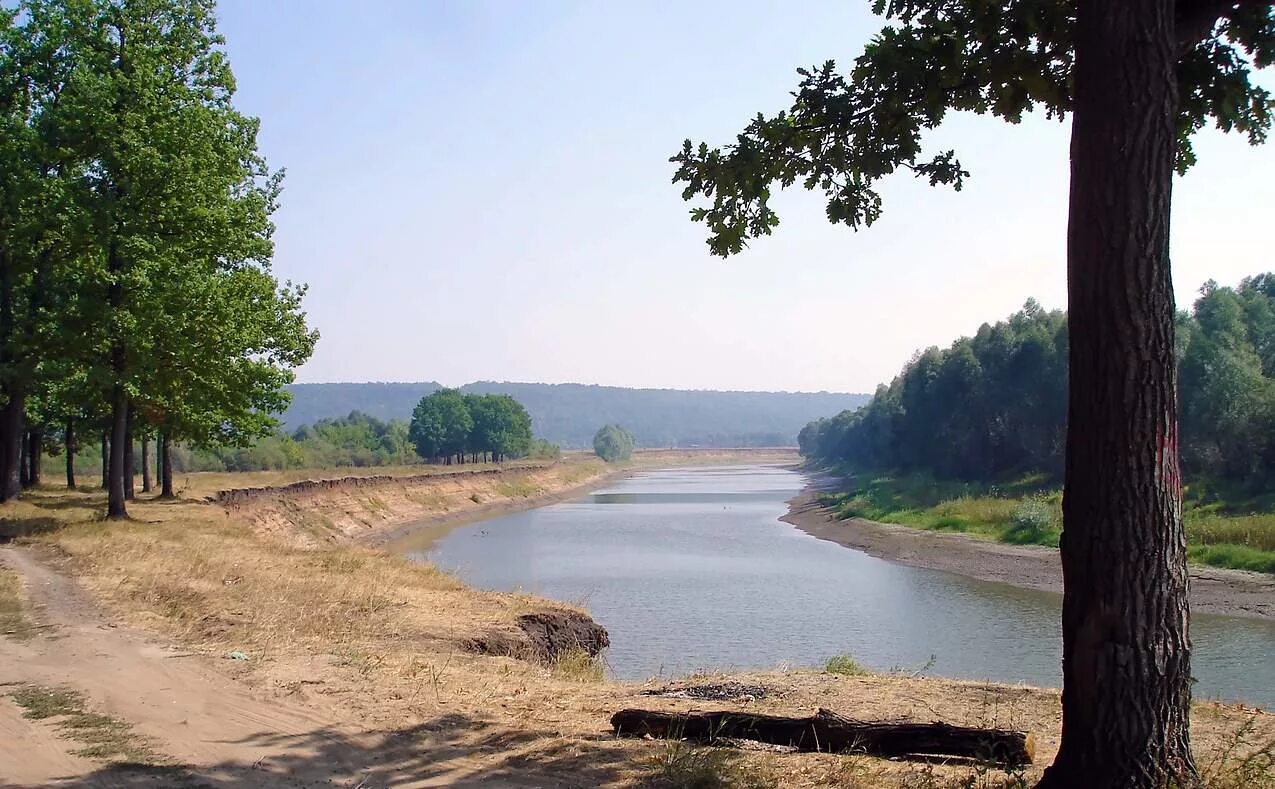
x=692, y=569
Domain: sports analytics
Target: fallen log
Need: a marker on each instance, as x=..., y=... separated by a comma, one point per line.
x=829, y=732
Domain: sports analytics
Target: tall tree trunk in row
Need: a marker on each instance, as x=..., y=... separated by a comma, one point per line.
x=106, y=460
x=70, y=453
x=130, y=462
x=12, y=416
x=24, y=460
x=166, y=467
x=1126, y=648
x=146, y=464
x=115, y=507
x=35, y=454
x=12, y=430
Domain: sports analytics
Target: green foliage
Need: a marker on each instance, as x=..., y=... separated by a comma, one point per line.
x=1033, y=523
x=613, y=443
x=1027, y=510
x=1236, y=557
x=569, y=414
x=135, y=232
x=441, y=424
x=992, y=406
x=544, y=450
x=846, y=131
x=846, y=666
x=447, y=424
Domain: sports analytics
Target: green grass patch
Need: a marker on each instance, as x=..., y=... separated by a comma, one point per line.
x=102, y=737
x=1235, y=557
x=1237, y=533
x=1022, y=511
x=846, y=666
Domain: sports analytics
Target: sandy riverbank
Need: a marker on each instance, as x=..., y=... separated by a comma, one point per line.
x=1213, y=590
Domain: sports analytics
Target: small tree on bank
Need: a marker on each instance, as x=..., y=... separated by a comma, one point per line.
x=1138, y=78
x=613, y=443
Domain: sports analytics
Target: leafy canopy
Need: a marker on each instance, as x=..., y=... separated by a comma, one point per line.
x=613, y=443
x=844, y=132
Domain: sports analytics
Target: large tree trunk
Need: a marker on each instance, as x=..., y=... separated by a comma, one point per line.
x=24, y=461
x=130, y=462
x=12, y=415
x=115, y=507
x=12, y=431
x=146, y=465
x=35, y=454
x=70, y=453
x=166, y=467
x=1126, y=650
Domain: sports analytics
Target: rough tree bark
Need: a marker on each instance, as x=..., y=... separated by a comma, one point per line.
x=166, y=467
x=12, y=415
x=24, y=462
x=129, y=461
x=115, y=506
x=12, y=429
x=70, y=453
x=1126, y=648
x=146, y=465
x=35, y=447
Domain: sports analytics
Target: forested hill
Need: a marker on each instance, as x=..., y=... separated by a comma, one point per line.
x=994, y=405
x=569, y=414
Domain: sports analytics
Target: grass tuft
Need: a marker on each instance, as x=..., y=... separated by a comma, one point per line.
x=576, y=665
x=846, y=666
x=103, y=737
x=1242, y=760
x=682, y=766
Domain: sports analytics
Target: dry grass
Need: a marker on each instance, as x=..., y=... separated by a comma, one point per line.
x=677, y=765
x=576, y=665
x=205, y=483
x=214, y=584
x=13, y=619
x=1243, y=758
x=102, y=737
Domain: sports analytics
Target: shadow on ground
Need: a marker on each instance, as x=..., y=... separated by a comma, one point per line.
x=452, y=750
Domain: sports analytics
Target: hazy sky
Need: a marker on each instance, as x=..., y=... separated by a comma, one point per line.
x=480, y=190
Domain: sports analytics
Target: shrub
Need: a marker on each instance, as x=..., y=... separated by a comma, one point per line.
x=845, y=665
x=1033, y=523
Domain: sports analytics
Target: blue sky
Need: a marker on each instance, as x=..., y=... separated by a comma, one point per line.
x=480, y=190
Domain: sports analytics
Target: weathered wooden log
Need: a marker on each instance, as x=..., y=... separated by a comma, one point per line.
x=829, y=732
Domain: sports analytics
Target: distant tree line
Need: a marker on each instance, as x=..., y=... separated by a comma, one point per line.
x=569, y=414
x=450, y=426
x=353, y=441
x=137, y=302
x=994, y=404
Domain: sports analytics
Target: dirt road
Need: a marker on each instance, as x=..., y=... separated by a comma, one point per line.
x=204, y=727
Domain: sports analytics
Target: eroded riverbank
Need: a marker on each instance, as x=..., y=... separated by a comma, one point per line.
x=1213, y=590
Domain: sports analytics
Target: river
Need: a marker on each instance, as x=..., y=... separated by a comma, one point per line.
x=691, y=569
